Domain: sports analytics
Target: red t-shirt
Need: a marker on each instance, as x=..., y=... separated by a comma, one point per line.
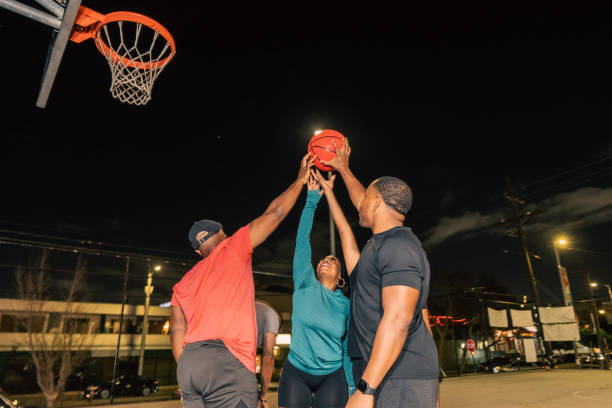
x=217, y=297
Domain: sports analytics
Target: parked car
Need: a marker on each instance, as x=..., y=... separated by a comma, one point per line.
x=7, y=402
x=591, y=360
x=124, y=385
x=83, y=376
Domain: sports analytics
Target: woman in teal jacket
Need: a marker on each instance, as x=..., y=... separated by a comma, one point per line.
x=317, y=372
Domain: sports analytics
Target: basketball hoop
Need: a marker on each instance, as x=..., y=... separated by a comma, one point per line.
x=136, y=47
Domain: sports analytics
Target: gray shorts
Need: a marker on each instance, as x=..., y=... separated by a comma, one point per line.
x=407, y=393
x=211, y=377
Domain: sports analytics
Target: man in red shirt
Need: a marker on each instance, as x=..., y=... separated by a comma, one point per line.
x=214, y=329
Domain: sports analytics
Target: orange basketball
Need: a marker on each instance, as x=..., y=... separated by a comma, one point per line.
x=322, y=145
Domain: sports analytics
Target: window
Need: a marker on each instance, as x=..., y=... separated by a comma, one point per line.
x=20, y=323
x=159, y=326
x=76, y=325
x=130, y=325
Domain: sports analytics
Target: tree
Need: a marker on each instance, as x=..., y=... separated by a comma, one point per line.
x=56, y=352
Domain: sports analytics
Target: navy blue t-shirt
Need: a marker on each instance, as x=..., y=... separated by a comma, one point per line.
x=393, y=257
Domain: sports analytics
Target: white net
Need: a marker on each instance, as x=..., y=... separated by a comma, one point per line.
x=136, y=55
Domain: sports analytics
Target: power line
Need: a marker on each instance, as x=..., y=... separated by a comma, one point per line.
x=111, y=254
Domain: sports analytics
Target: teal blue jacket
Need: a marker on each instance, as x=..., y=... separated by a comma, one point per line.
x=320, y=316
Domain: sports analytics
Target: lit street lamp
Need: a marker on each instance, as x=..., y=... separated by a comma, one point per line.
x=145, y=323
x=565, y=286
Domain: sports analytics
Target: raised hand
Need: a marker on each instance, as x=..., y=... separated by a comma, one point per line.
x=341, y=161
x=313, y=184
x=326, y=185
x=305, y=165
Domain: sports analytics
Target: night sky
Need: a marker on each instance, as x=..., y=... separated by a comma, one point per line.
x=453, y=99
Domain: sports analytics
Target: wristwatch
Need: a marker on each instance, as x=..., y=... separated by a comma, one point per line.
x=365, y=388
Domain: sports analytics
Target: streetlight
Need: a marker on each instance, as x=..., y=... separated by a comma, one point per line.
x=145, y=323
x=565, y=286
x=594, y=311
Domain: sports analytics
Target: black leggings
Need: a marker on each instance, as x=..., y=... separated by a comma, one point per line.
x=296, y=389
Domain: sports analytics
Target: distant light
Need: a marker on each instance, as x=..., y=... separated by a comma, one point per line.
x=166, y=327
x=317, y=132
x=601, y=311
x=593, y=284
x=167, y=304
x=561, y=241
x=283, y=339
x=157, y=268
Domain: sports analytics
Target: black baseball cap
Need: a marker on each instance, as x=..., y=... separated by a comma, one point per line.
x=196, y=238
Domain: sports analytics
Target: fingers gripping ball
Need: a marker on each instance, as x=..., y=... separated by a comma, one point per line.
x=322, y=146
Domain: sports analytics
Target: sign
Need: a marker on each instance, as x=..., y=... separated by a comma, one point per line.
x=565, y=286
x=470, y=346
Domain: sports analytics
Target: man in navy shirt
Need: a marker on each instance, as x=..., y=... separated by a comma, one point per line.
x=395, y=360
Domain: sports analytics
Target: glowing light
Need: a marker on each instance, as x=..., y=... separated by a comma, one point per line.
x=593, y=284
x=157, y=268
x=561, y=241
x=601, y=311
x=317, y=132
x=166, y=327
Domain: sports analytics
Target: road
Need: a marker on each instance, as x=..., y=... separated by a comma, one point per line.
x=559, y=388
x=542, y=389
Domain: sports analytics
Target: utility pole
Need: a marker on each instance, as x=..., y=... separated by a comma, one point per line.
x=609, y=292
x=123, y=302
x=519, y=219
x=145, y=323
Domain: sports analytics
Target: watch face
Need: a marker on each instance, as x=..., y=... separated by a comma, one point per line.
x=362, y=385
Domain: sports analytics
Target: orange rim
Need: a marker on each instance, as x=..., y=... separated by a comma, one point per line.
x=134, y=18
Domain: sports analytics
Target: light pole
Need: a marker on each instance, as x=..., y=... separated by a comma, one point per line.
x=590, y=286
x=596, y=322
x=565, y=286
x=145, y=323
x=609, y=292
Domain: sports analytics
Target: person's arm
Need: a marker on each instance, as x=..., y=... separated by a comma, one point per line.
x=347, y=238
x=347, y=363
x=267, y=365
x=399, y=303
x=426, y=320
x=303, y=272
x=178, y=328
x=264, y=225
x=340, y=163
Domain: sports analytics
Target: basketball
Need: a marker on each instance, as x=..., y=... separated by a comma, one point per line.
x=322, y=145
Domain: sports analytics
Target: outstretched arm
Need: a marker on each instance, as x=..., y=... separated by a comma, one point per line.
x=340, y=163
x=262, y=227
x=349, y=245
x=303, y=272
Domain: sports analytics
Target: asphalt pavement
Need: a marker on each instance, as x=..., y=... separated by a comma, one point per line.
x=560, y=388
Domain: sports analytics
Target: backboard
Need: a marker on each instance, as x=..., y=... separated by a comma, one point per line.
x=60, y=18
x=56, y=51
